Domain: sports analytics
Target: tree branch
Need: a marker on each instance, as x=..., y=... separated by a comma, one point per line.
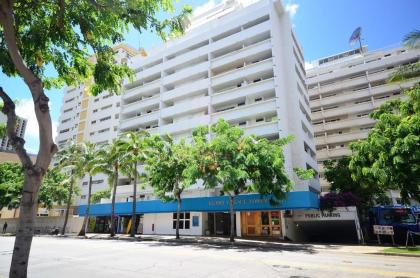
x=62, y=7
x=47, y=148
x=16, y=141
x=6, y=19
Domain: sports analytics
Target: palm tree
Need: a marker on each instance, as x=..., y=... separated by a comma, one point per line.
x=109, y=162
x=89, y=160
x=69, y=161
x=412, y=39
x=404, y=72
x=133, y=149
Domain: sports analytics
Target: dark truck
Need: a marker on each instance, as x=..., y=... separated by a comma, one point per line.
x=401, y=218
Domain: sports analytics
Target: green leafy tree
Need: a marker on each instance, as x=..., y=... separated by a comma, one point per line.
x=60, y=34
x=241, y=164
x=339, y=175
x=167, y=167
x=54, y=188
x=110, y=160
x=98, y=195
x=134, y=148
x=390, y=155
x=70, y=161
x=89, y=160
x=404, y=72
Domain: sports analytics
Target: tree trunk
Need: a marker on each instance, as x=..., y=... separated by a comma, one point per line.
x=24, y=234
x=133, y=215
x=232, y=219
x=86, y=219
x=66, y=217
x=114, y=191
x=34, y=173
x=178, y=212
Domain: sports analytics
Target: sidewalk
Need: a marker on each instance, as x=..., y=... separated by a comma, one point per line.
x=241, y=242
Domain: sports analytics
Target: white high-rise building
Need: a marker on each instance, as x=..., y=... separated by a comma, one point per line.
x=20, y=131
x=344, y=89
x=94, y=119
x=239, y=61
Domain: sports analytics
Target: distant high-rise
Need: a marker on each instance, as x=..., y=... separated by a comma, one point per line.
x=344, y=89
x=20, y=131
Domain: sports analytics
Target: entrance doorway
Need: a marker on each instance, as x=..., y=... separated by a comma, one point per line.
x=261, y=223
x=219, y=223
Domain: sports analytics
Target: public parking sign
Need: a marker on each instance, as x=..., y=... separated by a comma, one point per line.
x=383, y=230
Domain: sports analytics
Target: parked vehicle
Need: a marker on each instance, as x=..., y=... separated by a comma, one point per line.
x=401, y=218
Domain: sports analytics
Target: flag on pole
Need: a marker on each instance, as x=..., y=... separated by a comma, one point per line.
x=355, y=36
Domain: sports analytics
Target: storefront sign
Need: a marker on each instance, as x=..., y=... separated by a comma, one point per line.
x=246, y=202
x=317, y=215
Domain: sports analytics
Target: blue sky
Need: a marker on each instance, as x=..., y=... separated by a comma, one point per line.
x=323, y=27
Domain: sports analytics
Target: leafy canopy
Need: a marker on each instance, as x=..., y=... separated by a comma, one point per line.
x=64, y=34
x=167, y=166
x=390, y=156
x=54, y=188
x=240, y=163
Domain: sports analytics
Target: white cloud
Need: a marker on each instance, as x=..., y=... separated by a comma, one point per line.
x=25, y=109
x=291, y=9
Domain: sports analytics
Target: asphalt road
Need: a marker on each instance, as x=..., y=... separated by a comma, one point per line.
x=64, y=257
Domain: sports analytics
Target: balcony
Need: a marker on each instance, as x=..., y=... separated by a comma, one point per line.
x=186, y=107
x=194, y=71
x=349, y=83
x=186, y=125
x=240, y=74
x=186, y=57
x=265, y=129
x=139, y=120
x=186, y=90
x=241, y=36
x=332, y=153
x=341, y=138
x=148, y=72
x=241, y=54
x=343, y=110
x=344, y=124
x=261, y=108
x=252, y=89
x=141, y=90
x=140, y=104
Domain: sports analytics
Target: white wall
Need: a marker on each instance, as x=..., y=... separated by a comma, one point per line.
x=43, y=225
x=163, y=224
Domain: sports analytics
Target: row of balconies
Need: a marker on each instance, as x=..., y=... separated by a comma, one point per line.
x=185, y=58
x=332, y=153
x=347, y=123
x=351, y=108
x=346, y=84
x=340, y=138
x=342, y=72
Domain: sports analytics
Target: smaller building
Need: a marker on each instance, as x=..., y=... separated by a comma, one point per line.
x=20, y=131
x=254, y=215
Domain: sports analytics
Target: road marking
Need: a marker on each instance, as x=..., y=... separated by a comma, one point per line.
x=352, y=269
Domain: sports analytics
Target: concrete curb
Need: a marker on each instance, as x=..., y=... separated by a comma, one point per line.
x=397, y=254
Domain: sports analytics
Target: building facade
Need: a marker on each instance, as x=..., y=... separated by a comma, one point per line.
x=20, y=131
x=344, y=89
x=93, y=119
x=239, y=61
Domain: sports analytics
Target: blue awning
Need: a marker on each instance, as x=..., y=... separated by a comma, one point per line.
x=246, y=202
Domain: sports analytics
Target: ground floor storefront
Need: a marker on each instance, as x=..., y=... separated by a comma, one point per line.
x=208, y=216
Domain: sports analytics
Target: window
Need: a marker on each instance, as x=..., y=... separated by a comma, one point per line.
x=85, y=183
x=97, y=181
x=105, y=119
x=258, y=99
x=83, y=197
x=184, y=220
